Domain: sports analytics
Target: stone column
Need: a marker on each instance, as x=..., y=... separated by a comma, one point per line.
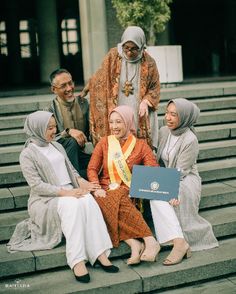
x=93, y=34
x=49, y=55
x=13, y=43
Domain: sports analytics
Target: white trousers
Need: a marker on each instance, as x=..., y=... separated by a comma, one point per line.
x=166, y=223
x=84, y=228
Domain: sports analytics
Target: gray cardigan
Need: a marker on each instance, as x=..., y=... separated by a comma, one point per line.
x=42, y=230
x=197, y=231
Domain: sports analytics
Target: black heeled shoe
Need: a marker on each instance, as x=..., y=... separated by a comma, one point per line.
x=82, y=279
x=107, y=268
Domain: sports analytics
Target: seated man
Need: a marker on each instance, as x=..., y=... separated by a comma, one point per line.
x=71, y=114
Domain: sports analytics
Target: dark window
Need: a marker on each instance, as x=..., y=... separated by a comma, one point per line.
x=3, y=39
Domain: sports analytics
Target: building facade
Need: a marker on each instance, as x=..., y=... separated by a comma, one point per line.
x=38, y=36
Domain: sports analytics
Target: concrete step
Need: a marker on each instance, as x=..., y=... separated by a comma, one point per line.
x=8, y=222
x=31, y=100
x=32, y=103
x=216, y=132
x=217, y=170
x=10, y=154
x=199, y=90
x=215, y=286
x=218, y=194
x=11, y=175
x=209, y=150
x=209, y=171
x=26, y=262
x=14, y=197
x=204, y=133
x=15, y=136
x=213, y=194
x=223, y=221
x=25, y=104
x=207, y=117
x=213, y=150
x=216, y=117
x=12, y=122
x=207, y=104
x=146, y=277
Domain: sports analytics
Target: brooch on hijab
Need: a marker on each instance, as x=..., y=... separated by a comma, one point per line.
x=128, y=86
x=114, y=186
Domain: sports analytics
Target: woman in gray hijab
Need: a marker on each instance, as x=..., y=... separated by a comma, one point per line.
x=127, y=76
x=178, y=221
x=59, y=202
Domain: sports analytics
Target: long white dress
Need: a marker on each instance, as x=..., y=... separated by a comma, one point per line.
x=181, y=152
x=81, y=220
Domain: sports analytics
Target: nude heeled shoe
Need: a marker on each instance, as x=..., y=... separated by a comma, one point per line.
x=136, y=259
x=176, y=256
x=151, y=255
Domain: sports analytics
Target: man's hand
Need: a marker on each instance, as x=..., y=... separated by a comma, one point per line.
x=79, y=136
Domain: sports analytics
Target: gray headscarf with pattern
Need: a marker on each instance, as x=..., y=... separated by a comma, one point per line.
x=35, y=127
x=136, y=35
x=188, y=114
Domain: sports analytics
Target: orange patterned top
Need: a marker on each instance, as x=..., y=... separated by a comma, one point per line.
x=141, y=154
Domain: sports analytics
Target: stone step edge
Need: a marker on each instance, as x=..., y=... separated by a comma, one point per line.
x=223, y=221
x=143, y=278
x=202, y=146
x=17, y=197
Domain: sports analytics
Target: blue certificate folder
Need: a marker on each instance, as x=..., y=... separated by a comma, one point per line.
x=154, y=183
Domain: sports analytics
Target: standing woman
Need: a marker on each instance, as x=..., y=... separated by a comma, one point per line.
x=178, y=148
x=59, y=202
x=110, y=166
x=127, y=76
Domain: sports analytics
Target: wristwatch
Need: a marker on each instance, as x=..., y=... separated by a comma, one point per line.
x=67, y=131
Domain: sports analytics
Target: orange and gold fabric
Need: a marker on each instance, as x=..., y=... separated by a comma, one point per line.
x=104, y=89
x=123, y=219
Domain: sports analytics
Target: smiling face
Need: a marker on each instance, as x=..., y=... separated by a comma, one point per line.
x=171, y=117
x=117, y=125
x=51, y=130
x=131, y=50
x=63, y=86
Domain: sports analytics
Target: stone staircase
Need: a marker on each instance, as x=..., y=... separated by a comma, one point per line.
x=47, y=272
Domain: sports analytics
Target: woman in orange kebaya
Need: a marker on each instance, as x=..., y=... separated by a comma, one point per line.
x=111, y=166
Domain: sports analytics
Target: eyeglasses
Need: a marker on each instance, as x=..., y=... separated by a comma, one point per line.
x=127, y=49
x=63, y=86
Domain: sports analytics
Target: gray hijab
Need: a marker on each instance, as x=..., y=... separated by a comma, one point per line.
x=136, y=35
x=35, y=127
x=188, y=114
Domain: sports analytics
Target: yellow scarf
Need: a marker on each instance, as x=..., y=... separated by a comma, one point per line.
x=117, y=166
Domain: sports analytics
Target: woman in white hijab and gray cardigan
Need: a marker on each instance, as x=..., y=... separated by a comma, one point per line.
x=59, y=202
x=178, y=222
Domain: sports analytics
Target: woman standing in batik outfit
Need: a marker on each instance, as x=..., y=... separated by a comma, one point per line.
x=128, y=76
x=113, y=159
x=178, y=148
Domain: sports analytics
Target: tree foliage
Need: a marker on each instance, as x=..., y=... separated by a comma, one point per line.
x=150, y=15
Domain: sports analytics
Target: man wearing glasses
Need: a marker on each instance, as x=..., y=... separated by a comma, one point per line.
x=127, y=76
x=71, y=114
